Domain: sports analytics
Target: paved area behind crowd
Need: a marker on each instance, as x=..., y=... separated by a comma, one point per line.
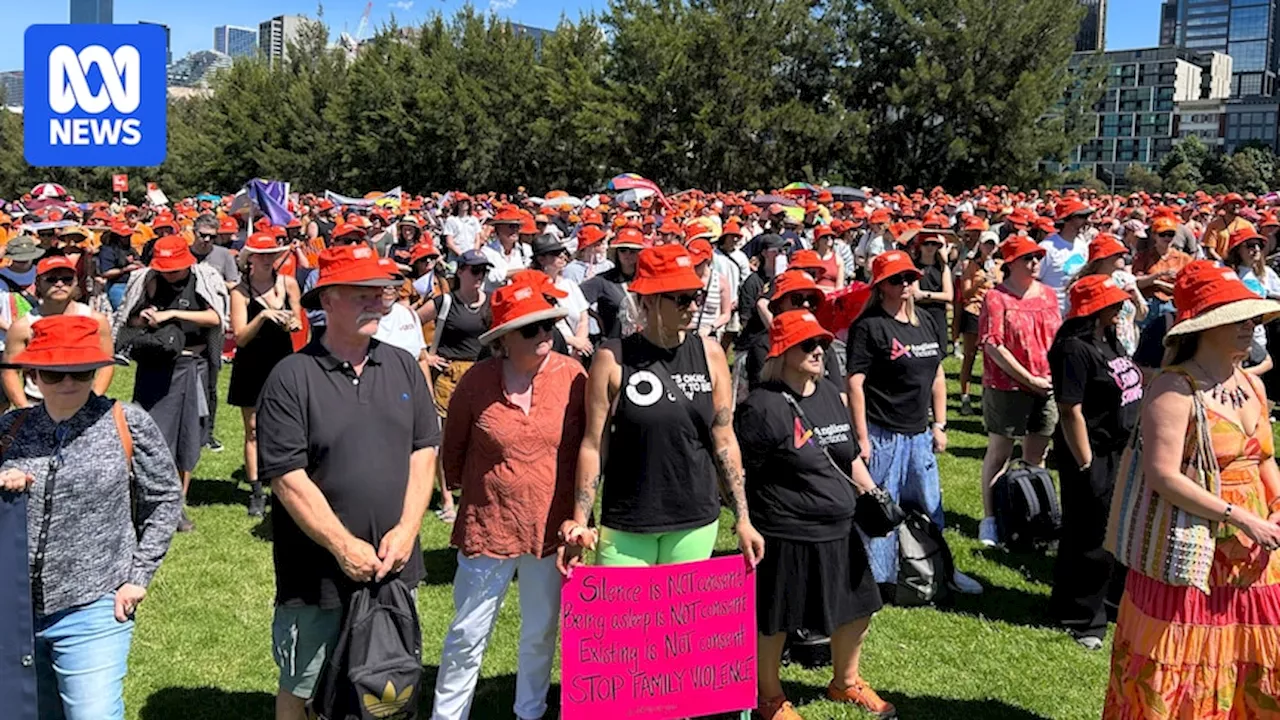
x=202, y=650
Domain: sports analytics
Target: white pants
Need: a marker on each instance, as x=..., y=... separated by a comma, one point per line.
x=478, y=589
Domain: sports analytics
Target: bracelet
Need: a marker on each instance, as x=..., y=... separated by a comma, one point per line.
x=1226, y=514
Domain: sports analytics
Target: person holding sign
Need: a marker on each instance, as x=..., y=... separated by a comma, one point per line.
x=660, y=424
x=511, y=441
x=803, y=478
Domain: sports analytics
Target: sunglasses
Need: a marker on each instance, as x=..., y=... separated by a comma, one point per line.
x=529, y=332
x=207, y=236
x=59, y=279
x=627, y=250
x=900, y=279
x=684, y=300
x=807, y=300
x=53, y=377
x=808, y=346
x=476, y=269
x=1251, y=246
x=1167, y=235
x=1032, y=258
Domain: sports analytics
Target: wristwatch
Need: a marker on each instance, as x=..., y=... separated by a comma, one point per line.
x=940, y=426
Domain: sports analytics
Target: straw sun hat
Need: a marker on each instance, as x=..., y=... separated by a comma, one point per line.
x=1206, y=296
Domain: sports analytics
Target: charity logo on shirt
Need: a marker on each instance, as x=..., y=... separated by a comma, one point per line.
x=802, y=436
x=832, y=434
x=645, y=389
x=692, y=383
x=1127, y=377
x=918, y=350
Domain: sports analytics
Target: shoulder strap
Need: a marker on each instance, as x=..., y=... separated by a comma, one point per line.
x=126, y=437
x=446, y=302
x=12, y=433
x=795, y=406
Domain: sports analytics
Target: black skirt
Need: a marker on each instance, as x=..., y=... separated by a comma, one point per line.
x=814, y=586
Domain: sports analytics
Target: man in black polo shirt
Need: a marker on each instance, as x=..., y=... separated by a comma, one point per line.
x=347, y=432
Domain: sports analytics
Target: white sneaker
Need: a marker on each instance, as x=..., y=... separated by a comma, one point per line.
x=965, y=585
x=987, y=532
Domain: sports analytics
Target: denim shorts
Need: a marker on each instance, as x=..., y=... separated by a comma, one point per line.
x=301, y=638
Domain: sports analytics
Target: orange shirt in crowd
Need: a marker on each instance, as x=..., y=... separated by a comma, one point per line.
x=516, y=471
x=1218, y=235
x=975, y=281
x=1149, y=264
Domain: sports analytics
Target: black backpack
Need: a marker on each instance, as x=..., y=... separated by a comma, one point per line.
x=925, y=565
x=375, y=669
x=1026, y=507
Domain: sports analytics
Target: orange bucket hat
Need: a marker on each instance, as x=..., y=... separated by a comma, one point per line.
x=664, y=269
x=1093, y=293
x=1206, y=296
x=792, y=328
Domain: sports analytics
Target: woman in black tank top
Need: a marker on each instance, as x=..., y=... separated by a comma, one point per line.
x=660, y=429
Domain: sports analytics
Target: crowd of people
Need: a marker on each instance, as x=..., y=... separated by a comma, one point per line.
x=525, y=360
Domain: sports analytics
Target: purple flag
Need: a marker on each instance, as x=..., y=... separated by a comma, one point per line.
x=271, y=198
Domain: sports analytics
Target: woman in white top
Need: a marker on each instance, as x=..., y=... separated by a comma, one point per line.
x=1109, y=256
x=717, y=304
x=551, y=256
x=461, y=229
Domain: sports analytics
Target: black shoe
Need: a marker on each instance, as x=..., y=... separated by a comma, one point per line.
x=213, y=445
x=184, y=523
x=257, y=505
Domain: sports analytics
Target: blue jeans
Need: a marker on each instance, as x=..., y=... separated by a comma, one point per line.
x=904, y=465
x=82, y=655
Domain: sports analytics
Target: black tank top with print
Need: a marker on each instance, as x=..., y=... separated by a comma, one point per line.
x=659, y=475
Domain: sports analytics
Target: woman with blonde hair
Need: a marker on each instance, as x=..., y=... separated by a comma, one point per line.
x=1108, y=256
x=1199, y=639
x=898, y=402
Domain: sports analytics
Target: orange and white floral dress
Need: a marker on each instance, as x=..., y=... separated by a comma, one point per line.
x=1182, y=655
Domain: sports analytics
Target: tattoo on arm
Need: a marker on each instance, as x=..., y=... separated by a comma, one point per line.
x=729, y=471
x=724, y=417
x=585, y=499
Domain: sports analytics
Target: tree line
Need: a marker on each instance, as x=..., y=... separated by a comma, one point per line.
x=715, y=94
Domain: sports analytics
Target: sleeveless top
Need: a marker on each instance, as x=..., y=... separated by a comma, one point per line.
x=325, y=228
x=658, y=468
x=272, y=342
x=830, y=272
x=710, y=309
x=75, y=308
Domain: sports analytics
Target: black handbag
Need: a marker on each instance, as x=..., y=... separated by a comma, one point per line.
x=875, y=514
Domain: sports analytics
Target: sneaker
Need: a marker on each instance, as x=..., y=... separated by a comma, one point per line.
x=777, y=709
x=213, y=445
x=184, y=523
x=965, y=407
x=863, y=696
x=987, y=532
x=965, y=585
x=1089, y=642
x=257, y=505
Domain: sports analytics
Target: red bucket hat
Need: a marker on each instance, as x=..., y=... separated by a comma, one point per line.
x=1070, y=208
x=424, y=249
x=171, y=254
x=228, y=226
x=1104, y=246
x=793, y=281
x=664, y=269
x=804, y=260
x=589, y=235
x=1206, y=295
x=67, y=343
x=517, y=305
x=263, y=243
x=894, y=262
x=509, y=215
x=792, y=328
x=56, y=262
x=1242, y=236
x=1017, y=246
x=344, y=229
x=629, y=237
x=347, y=265
x=539, y=281
x=700, y=251
x=1093, y=293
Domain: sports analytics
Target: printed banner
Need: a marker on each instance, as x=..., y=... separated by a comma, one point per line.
x=120, y=183
x=672, y=641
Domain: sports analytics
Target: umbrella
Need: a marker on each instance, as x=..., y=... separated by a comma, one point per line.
x=631, y=181
x=799, y=189
x=48, y=191
x=632, y=197
x=771, y=199
x=842, y=192
x=209, y=197
x=562, y=201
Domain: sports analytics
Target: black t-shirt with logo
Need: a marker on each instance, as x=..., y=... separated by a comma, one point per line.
x=793, y=491
x=1107, y=385
x=900, y=361
x=606, y=292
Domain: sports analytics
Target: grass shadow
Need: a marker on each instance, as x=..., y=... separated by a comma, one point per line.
x=975, y=453
x=199, y=703
x=972, y=425
x=1016, y=607
x=217, y=491
x=265, y=529
x=1034, y=565
x=441, y=565
x=929, y=706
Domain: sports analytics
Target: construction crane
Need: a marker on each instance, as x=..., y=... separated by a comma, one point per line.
x=363, y=27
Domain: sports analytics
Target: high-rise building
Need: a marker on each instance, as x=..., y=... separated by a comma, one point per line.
x=11, y=89
x=1092, y=36
x=235, y=41
x=275, y=34
x=1247, y=30
x=168, y=49
x=195, y=70
x=89, y=12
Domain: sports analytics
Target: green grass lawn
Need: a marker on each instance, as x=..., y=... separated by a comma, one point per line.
x=202, y=650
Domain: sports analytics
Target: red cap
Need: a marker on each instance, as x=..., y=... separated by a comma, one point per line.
x=894, y=262
x=792, y=328
x=55, y=262
x=824, y=230
x=695, y=230
x=1071, y=207
x=1106, y=245
x=424, y=249
x=804, y=260
x=171, y=254
x=64, y=342
x=1164, y=224
x=973, y=222
x=629, y=237
x=664, y=269
x=1231, y=199
x=880, y=217
x=731, y=229
x=344, y=229
x=228, y=226
x=508, y=215
x=1093, y=293
x=347, y=265
x=1016, y=246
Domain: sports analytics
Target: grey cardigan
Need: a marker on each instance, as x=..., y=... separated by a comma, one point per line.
x=92, y=542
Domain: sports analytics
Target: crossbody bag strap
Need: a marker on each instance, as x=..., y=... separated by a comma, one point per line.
x=12, y=433
x=809, y=426
x=446, y=304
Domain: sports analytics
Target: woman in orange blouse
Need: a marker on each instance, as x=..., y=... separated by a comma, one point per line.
x=981, y=273
x=511, y=442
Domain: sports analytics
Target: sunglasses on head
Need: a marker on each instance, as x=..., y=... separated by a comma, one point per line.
x=684, y=300
x=53, y=377
x=808, y=346
x=529, y=332
x=900, y=279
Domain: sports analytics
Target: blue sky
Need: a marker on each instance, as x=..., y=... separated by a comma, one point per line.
x=1130, y=23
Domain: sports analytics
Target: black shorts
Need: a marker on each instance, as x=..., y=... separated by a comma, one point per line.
x=814, y=586
x=968, y=323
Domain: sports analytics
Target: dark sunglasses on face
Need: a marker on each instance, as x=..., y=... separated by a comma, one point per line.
x=529, y=332
x=60, y=278
x=1167, y=235
x=808, y=346
x=53, y=377
x=1253, y=246
x=684, y=300
x=207, y=236
x=809, y=301
x=900, y=279
x=627, y=250
x=476, y=269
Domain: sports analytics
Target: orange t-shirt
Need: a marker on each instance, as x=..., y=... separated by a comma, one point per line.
x=1147, y=264
x=1218, y=235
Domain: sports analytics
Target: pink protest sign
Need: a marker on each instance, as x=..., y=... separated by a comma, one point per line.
x=673, y=641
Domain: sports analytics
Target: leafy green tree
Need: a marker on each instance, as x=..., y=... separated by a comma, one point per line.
x=1138, y=177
